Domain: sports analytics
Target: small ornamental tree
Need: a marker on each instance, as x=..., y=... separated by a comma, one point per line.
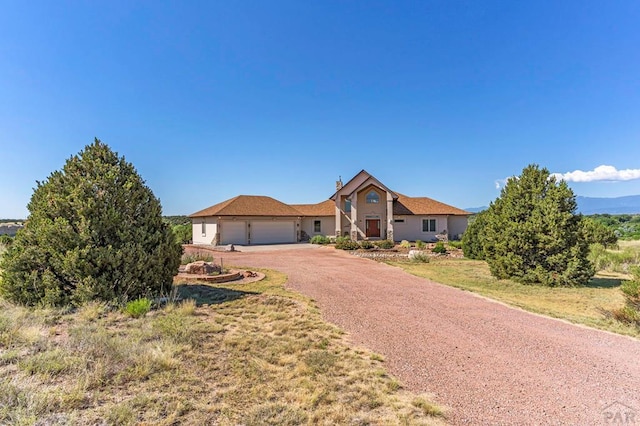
x=94, y=231
x=532, y=233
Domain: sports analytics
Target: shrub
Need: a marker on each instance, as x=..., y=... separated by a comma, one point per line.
x=366, y=244
x=320, y=239
x=419, y=257
x=341, y=239
x=439, y=248
x=472, y=239
x=385, y=244
x=344, y=243
x=138, y=308
x=455, y=244
x=95, y=232
x=420, y=245
x=405, y=244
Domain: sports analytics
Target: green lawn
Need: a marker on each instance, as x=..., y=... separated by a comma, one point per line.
x=587, y=305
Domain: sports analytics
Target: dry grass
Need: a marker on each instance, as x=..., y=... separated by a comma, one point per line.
x=590, y=305
x=254, y=354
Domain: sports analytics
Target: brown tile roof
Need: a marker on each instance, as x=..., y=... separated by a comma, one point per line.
x=325, y=208
x=248, y=205
x=258, y=205
x=423, y=206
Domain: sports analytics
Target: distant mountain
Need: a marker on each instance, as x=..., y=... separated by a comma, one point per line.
x=594, y=205
x=475, y=209
x=619, y=205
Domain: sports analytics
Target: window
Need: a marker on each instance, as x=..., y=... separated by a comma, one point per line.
x=347, y=206
x=316, y=225
x=204, y=229
x=428, y=225
x=373, y=197
x=399, y=220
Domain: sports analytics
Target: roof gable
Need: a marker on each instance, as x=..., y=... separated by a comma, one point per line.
x=359, y=181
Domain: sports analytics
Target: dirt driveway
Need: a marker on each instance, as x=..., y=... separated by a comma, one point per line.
x=488, y=363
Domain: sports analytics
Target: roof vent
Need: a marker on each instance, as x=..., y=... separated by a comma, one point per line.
x=339, y=183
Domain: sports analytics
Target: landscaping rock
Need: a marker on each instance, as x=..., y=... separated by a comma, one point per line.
x=201, y=267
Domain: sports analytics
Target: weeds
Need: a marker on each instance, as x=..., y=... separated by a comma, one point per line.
x=138, y=308
x=194, y=257
x=256, y=355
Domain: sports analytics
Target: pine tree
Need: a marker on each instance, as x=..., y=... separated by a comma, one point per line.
x=533, y=234
x=95, y=231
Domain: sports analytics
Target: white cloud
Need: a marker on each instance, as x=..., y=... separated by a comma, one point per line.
x=600, y=173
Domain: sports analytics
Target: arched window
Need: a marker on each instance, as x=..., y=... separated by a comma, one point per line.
x=373, y=197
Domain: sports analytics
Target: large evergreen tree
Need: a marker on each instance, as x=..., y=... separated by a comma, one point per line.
x=532, y=233
x=94, y=231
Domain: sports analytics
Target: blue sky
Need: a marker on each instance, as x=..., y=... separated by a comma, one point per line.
x=211, y=99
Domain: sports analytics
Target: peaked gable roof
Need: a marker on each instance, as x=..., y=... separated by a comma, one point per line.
x=249, y=205
x=363, y=178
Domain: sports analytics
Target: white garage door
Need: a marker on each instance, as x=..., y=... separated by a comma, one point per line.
x=233, y=232
x=271, y=232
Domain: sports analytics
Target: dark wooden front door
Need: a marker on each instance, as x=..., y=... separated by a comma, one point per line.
x=372, y=228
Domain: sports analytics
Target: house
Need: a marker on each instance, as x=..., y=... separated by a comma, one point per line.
x=363, y=208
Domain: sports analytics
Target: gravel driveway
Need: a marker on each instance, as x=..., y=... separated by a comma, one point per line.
x=490, y=364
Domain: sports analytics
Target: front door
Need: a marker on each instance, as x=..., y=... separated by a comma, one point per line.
x=372, y=228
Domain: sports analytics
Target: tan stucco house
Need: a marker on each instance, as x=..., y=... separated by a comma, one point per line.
x=363, y=208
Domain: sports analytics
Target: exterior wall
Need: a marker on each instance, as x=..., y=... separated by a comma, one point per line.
x=372, y=211
x=327, y=225
x=411, y=229
x=211, y=229
x=457, y=226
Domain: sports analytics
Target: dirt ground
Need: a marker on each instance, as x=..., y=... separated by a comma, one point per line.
x=490, y=364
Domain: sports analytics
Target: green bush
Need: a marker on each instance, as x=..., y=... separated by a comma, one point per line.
x=320, y=239
x=95, y=232
x=439, y=248
x=405, y=244
x=385, y=244
x=344, y=243
x=138, y=308
x=420, y=245
x=472, y=239
x=366, y=244
x=455, y=244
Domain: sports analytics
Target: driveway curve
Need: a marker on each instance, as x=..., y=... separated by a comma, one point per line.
x=489, y=363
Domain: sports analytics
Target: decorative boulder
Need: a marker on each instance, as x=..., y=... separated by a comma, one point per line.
x=201, y=267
